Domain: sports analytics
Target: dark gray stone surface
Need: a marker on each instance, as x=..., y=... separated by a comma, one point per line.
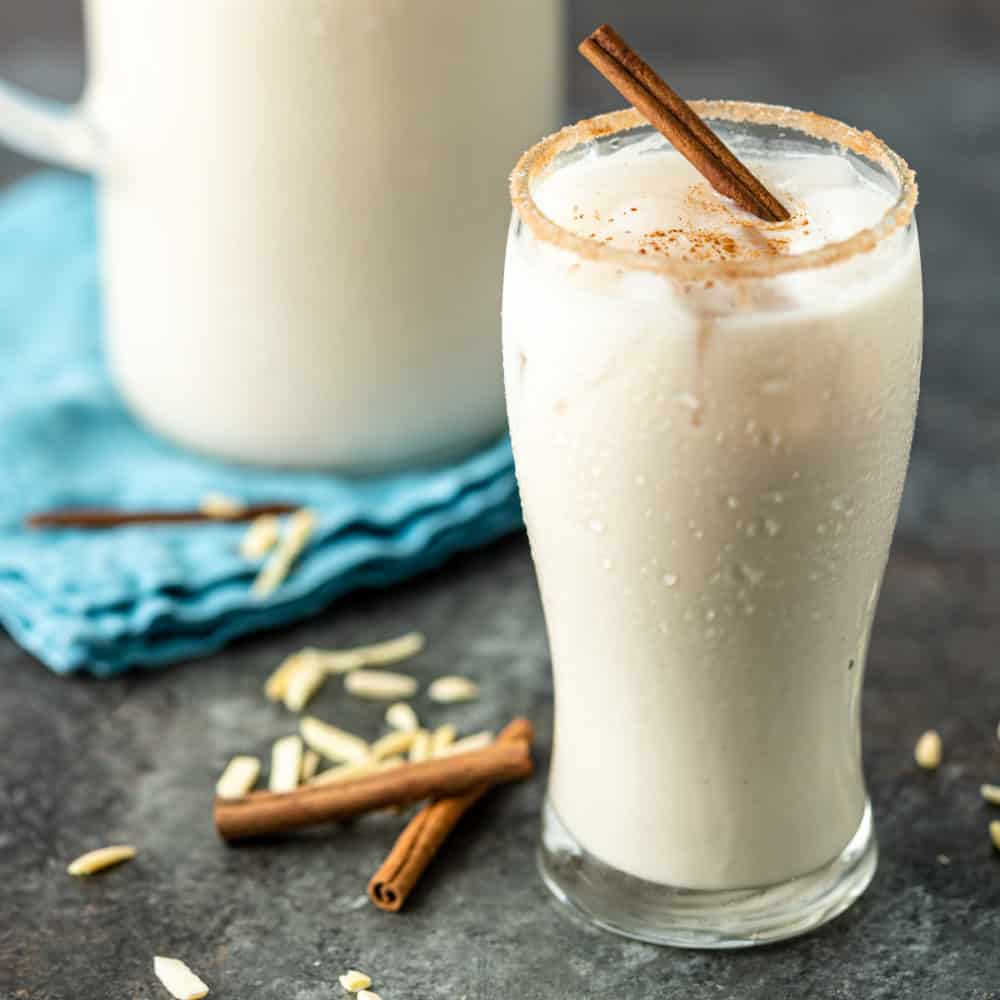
x=86, y=763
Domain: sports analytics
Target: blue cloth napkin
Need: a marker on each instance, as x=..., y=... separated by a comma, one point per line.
x=103, y=601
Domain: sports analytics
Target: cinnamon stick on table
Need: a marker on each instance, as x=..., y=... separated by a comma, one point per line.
x=667, y=111
x=107, y=517
x=427, y=831
x=261, y=814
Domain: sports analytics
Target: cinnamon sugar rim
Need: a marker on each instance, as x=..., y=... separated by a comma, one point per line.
x=865, y=144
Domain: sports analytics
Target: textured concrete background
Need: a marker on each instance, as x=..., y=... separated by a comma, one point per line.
x=86, y=763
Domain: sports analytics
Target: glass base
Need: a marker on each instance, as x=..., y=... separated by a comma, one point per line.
x=697, y=918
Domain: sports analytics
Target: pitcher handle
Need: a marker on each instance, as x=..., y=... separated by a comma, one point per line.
x=48, y=129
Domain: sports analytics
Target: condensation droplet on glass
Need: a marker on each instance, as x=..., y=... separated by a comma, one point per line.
x=820, y=529
x=751, y=575
x=813, y=577
x=772, y=527
x=843, y=505
x=748, y=609
x=596, y=525
x=608, y=564
x=751, y=426
x=699, y=535
x=751, y=529
x=664, y=628
x=720, y=437
x=774, y=386
x=710, y=615
x=669, y=579
x=732, y=503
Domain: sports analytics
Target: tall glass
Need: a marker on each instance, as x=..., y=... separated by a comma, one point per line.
x=711, y=457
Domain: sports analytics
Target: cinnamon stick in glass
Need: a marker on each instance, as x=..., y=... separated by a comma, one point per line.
x=674, y=118
x=419, y=843
x=262, y=814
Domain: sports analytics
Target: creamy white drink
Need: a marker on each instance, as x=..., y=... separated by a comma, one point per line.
x=711, y=447
x=302, y=210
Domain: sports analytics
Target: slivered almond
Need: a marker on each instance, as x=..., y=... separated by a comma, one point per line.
x=402, y=717
x=298, y=531
x=475, y=742
x=340, y=661
x=380, y=685
x=392, y=744
x=927, y=752
x=442, y=737
x=221, y=506
x=335, y=744
x=180, y=982
x=260, y=537
x=352, y=981
x=310, y=765
x=286, y=764
x=277, y=684
x=104, y=857
x=381, y=654
x=368, y=995
x=420, y=749
x=345, y=772
x=991, y=793
x=348, y=772
x=448, y=690
x=238, y=778
x=378, y=654
x=305, y=680
x=995, y=833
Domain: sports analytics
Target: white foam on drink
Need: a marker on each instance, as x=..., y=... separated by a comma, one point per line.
x=650, y=200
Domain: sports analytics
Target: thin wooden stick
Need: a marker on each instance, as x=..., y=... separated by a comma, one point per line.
x=261, y=814
x=674, y=118
x=99, y=518
x=419, y=843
